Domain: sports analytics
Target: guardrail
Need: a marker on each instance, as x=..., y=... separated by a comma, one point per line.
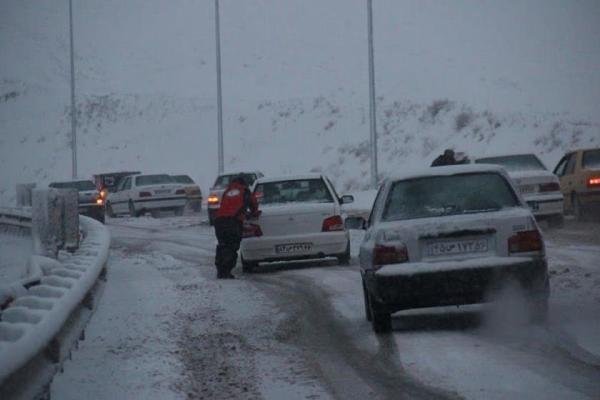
x=45, y=319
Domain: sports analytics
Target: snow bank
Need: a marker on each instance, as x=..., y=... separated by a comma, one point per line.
x=37, y=316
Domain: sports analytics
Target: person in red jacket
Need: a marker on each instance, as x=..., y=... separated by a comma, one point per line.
x=236, y=204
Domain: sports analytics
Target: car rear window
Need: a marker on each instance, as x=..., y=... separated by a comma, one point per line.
x=293, y=191
x=591, y=159
x=182, y=179
x=448, y=195
x=224, y=180
x=79, y=185
x=146, y=180
x=522, y=162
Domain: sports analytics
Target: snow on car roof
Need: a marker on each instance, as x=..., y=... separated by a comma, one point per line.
x=447, y=171
x=288, y=178
x=495, y=155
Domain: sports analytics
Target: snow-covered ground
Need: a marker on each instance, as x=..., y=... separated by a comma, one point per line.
x=166, y=328
x=15, y=250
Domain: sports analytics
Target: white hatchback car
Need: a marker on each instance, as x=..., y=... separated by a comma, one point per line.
x=449, y=236
x=539, y=187
x=137, y=194
x=300, y=218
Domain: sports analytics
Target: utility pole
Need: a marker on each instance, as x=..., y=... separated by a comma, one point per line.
x=219, y=95
x=372, y=107
x=73, y=111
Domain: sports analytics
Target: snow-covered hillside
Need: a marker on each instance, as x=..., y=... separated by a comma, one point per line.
x=483, y=77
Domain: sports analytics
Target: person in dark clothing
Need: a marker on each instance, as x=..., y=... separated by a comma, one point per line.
x=444, y=159
x=236, y=204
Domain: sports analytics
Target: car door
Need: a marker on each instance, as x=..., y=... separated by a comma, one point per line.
x=123, y=195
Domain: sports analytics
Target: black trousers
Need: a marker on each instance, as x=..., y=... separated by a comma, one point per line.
x=229, y=236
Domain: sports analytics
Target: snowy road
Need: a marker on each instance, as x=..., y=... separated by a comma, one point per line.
x=166, y=329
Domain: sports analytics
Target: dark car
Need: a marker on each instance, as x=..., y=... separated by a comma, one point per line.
x=91, y=202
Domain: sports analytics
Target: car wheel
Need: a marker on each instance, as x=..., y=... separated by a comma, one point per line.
x=577, y=210
x=368, y=315
x=249, y=266
x=179, y=211
x=556, y=221
x=109, y=210
x=132, y=211
x=344, y=259
x=380, y=319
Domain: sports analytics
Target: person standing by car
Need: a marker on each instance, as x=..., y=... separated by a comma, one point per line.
x=236, y=204
x=444, y=159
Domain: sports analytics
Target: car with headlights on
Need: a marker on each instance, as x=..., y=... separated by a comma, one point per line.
x=192, y=191
x=213, y=201
x=539, y=187
x=445, y=236
x=300, y=218
x=91, y=201
x=137, y=194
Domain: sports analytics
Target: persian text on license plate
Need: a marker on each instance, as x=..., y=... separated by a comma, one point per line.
x=524, y=189
x=457, y=247
x=293, y=248
x=162, y=191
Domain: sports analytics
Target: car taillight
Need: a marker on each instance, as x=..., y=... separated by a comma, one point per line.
x=180, y=191
x=550, y=187
x=103, y=193
x=212, y=199
x=99, y=201
x=525, y=241
x=145, y=194
x=594, y=182
x=332, y=224
x=389, y=254
x=251, y=230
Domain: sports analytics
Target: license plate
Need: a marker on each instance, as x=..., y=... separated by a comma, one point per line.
x=457, y=247
x=525, y=189
x=162, y=191
x=293, y=248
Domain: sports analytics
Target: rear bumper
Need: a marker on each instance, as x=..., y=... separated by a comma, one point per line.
x=590, y=199
x=545, y=205
x=326, y=244
x=455, y=283
x=154, y=204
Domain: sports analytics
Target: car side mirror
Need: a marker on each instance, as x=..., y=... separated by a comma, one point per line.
x=355, y=222
x=347, y=199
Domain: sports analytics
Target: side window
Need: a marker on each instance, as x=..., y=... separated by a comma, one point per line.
x=120, y=185
x=560, y=167
x=571, y=164
x=377, y=204
x=332, y=188
x=127, y=184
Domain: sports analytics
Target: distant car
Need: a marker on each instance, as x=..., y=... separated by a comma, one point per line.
x=192, y=191
x=539, y=187
x=579, y=174
x=300, y=219
x=91, y=203
x=213, y=202
x=109, y=181
x=137, y=194
x=449, y=236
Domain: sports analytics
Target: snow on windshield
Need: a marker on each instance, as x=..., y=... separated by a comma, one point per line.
x=524, y=162
x=146, y=180
x=448, y=195
x=294, y=191
x=591, y=159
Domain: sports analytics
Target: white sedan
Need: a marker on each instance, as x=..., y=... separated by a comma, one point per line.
x=137, y=194
x=300, y=218
x=449, y=236
x=539, y=187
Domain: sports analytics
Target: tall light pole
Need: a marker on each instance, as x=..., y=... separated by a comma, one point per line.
x=372, y=109
x=219, y=98
x=73, y=111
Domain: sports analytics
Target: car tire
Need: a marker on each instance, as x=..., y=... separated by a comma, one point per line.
x=249, y=266
x=344, y=259
x=179, y=211
x=380, y=319
x=109, y=210
x=556, y=221
x=132, y=211
x=368, y=314
x=577, y=209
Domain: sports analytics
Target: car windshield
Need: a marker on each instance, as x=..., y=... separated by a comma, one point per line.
x=146, y=180
x=448, y=195
x=79, y=185
x=182, y=179
x=591, y=159
x=524, y=162
x=224, y=180
x=293, y=191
